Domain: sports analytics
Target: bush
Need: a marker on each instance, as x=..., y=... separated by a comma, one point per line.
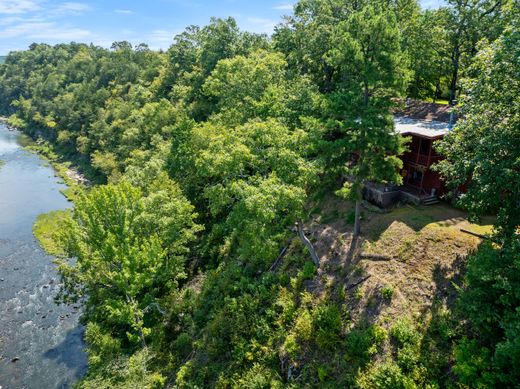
x=257, y=377
x=182, y=344
x=385, y=376
x=387, y=292
x=408, y=357
x=309, y=270
x=408, y=343
x=327, y=321
x=473, y=364
x=363, y=343
x=405, y=334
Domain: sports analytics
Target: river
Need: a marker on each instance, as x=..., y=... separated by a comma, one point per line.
x=40, y=342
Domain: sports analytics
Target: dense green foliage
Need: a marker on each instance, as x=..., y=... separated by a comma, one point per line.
x=204, y=158
x=486, y=147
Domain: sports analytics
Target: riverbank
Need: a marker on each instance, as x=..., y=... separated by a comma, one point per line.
x=47, y=224
x=41, y=343
x=76, y=182
x=71, y=175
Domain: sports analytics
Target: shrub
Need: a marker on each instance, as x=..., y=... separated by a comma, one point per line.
x=408, y=357
x=384, y=376
x=327, y=321
x=291, y=346
x=473, y=364
x=404, y=333
x=303, y=326
x=387, y=292
x=183, y=344
x=358, y=294
x=363, y=343
x=309, y=270
x=257, y=377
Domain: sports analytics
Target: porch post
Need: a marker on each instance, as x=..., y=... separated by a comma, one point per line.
x=422, y=179
x=430, y=154
x=418, y=151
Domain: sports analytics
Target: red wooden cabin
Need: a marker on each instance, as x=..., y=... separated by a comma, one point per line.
x=418, y=176
x=421, y=185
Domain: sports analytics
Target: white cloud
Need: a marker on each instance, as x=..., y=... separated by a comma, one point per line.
x=9, y=20
x=284, y=7
x=161, y=39
x=259, y=25
x=45, y=31
x=124, y=11
x=70, y=7
x=18, y=6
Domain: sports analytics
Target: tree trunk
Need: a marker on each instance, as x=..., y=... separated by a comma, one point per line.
x=328, y=72
x=366, y=94
x=455, y=72
x=308, y=244
x=437, y=92
x=357, y=222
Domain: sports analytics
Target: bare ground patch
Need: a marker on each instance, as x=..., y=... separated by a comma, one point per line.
x=427, y=248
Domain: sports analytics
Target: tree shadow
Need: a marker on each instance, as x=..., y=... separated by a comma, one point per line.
x=415, y=217
x=70, y=352
x=436, y=350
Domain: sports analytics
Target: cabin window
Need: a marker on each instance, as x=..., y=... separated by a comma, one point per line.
x=425, y=147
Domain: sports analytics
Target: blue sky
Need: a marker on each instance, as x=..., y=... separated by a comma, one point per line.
x=150, y=21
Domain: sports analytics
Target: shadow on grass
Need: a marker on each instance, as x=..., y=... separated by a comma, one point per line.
x=415, y=217
x=442, y=330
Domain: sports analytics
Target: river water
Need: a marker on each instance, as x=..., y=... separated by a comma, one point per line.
x=40, y=342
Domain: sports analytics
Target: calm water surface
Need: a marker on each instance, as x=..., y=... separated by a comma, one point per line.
x=40, y=342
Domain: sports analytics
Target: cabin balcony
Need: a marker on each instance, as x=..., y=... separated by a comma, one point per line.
x=420, y=159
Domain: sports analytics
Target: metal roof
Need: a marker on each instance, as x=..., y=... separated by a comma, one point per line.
x=426, y=128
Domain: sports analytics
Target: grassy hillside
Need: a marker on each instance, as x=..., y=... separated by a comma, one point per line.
x=380, y=299
x=426, y=245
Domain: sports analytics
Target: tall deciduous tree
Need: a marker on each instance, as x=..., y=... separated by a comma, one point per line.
x=429, y=54
x=128, y=248
x=252, y=182
x=468, y=22
x=484, y=151
x=194, y=55
x=306, y=36
x=259, y=86
x=484, y=148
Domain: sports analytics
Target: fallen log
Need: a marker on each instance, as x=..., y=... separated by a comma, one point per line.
x=282, y=254
x=359, y=282
x=375, y=257
x=308, y=244
x=477, y=235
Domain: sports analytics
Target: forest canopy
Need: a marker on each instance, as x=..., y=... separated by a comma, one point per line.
x=206, y=161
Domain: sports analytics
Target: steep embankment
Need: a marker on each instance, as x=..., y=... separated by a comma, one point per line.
x=396, y=291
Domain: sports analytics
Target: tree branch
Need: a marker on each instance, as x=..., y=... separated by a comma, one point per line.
x=308, y=243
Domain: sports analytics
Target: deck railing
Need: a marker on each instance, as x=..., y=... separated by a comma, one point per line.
x=421, y=159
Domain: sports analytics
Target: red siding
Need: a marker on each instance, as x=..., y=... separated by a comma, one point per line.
x=419, y=154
